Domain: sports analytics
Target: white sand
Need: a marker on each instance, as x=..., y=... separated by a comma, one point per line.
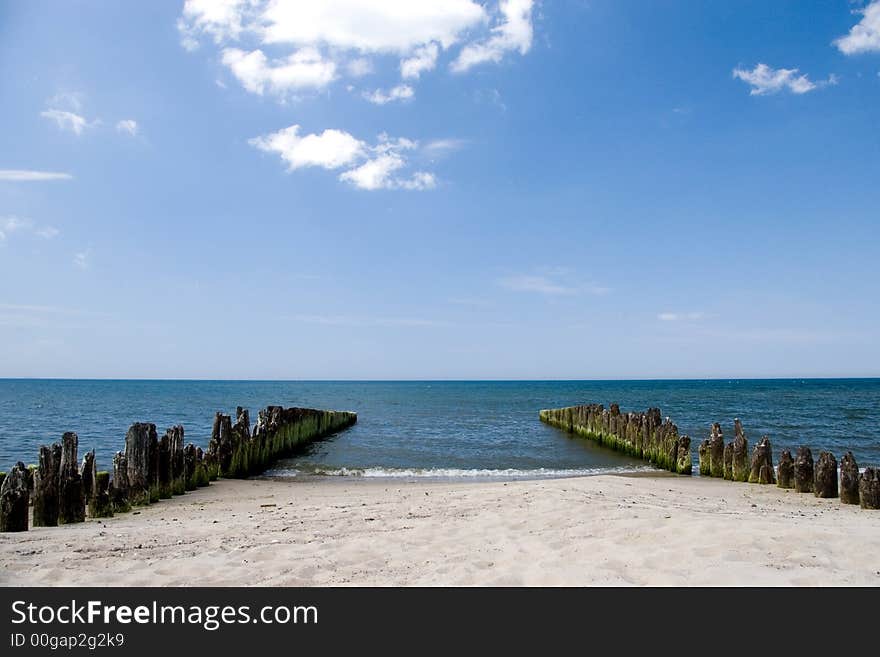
x=592, y=530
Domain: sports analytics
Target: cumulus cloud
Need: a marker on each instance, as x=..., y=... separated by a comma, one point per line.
x=347, y=33
x=765, y=80
x=21, y=175
x=864, y=35
x=368, y=167
x=304, y=69
x=423, y=59
x=400, y=92
x=514, y=33
x=375, y=26
x=331, y=149
x=127, y=127
x=65, y=120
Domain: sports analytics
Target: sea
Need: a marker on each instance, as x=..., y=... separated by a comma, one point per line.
x=444, y=429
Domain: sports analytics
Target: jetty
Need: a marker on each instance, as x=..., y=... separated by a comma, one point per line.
x=61, y=491
x=649, y=436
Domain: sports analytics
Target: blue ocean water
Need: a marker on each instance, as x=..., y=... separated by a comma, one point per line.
x=439, y=428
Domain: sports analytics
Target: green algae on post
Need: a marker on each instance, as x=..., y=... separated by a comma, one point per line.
x=642, y=435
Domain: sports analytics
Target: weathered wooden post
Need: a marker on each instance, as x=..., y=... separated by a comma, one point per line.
x=705, y=463
x=138, y=454
x=869, y=489
x=165, y=474
x=825, y=476
x=684, y=463
x=100, y=505
x=31, y=471
x=849, y=479
x=716, y=451
x=728, y=461
x=740, y=468
x=761, y=471
x=87, y=472
x=121, y=489
x=803, y=470
x=178, y=478
x=72, y=503
x=14, y=500
x=47, y=482
x=200, y=474
x=189, y=466
x=786, y=470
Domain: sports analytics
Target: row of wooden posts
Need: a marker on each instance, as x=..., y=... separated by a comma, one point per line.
x=821, y=477
x=647, y=436
x=643, y=435
x=61, y=491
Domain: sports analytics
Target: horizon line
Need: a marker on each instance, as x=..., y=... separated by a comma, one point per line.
x=447, y=380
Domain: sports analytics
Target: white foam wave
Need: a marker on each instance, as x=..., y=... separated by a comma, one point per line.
x=452, y=473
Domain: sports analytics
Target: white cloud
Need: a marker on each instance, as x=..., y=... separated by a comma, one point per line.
x=437, y=148
x=331, y=149
x=344, y=33
x=66, y=120
x=423, y=59
x=400, y=92
x=865, y=35
x=376, y=26
x=222, y=19
x=21, y=175
x=12, y=224
x=539, y=284
x=514, y=33
x=304, y=69
x=81, y=260
x=128, y=127
x=359, y=67
x=367, y=167
x=678, y=317
x=765, y=80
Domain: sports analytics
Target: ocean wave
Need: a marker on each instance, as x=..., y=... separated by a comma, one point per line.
x=451, y=473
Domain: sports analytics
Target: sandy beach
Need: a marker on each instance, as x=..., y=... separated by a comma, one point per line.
x=599, y=530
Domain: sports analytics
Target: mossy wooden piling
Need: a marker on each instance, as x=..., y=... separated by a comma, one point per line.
x=740, y=467
x=716, y=451
x=761, y=470
x=100, y=504
x=119, y=486
x=642, y=435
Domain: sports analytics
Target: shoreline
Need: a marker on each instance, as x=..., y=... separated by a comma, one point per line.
x=590, y=530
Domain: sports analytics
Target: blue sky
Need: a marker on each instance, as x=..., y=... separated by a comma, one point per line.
x=388, y=189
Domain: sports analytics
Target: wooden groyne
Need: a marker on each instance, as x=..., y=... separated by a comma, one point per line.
x=152, y=468
x=647, y=436
x=644, y=435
